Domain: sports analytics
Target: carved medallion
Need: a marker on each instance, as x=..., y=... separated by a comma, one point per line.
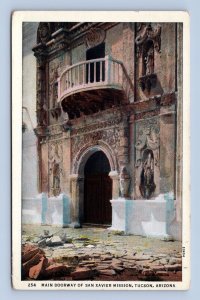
x=94, y=37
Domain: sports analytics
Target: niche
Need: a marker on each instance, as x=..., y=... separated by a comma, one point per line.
x=147, y=184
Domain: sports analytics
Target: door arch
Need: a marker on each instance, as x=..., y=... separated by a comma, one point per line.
x=97, y=190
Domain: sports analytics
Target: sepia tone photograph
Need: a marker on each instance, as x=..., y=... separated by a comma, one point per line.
x=102, y=152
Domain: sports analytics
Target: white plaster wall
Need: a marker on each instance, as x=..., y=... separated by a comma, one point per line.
x=29, y=141
x=31, y=211
x=44, y=210
x=29, y=72
x=118, y=214
x=29, y=165
x=146, y=217
x=153, y=218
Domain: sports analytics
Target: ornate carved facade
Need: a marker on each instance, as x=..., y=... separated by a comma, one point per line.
x=109, y=87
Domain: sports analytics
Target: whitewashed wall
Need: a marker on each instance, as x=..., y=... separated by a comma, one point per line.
x=29, y=142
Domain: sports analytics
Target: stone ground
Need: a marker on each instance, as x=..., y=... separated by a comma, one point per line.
x=100, y=254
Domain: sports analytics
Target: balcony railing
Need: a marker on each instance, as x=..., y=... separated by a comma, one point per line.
x=93, y=74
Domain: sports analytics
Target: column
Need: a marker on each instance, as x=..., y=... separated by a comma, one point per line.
x=115, y=184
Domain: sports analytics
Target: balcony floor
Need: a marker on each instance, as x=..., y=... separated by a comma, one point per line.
x=92, y=101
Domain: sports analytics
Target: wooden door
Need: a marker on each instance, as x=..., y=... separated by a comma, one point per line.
x=97, y=190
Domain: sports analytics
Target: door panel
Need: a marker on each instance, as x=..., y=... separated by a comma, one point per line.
x=97, y=196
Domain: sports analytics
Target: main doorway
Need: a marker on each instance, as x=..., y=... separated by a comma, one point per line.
x=97, y=190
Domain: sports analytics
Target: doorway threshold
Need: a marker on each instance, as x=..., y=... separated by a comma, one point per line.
x=87, y=225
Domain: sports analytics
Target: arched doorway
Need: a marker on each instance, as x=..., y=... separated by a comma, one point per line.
x=97, y=190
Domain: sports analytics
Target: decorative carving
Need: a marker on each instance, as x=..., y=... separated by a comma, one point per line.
x=55, y=70
x=44, y=33
x=124, y=182
x=55, y=129
x=110, y=136
x=147, y=185
x=97, y=126
x=55, y=167
x=41, y=105
x=147, y=41
x=149, y=34
x=94, y=37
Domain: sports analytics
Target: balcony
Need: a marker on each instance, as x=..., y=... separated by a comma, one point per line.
x=94, y=85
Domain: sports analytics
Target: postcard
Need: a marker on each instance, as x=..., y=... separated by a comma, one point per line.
x=100, y=150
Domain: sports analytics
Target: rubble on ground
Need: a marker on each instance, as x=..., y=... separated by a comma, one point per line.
x=57, y=256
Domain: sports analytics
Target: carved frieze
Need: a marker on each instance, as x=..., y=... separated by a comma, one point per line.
x=55, y=159
x=110, y=136
x=97, y=126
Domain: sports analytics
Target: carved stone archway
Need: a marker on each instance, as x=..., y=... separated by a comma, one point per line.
x=77, y=178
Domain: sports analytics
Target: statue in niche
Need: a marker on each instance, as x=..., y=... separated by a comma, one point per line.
x=149, y=61
x=147, y=185
x=55, y=169
x=56, y=175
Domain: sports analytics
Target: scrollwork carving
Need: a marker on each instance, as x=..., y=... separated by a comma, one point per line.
x=110, y=136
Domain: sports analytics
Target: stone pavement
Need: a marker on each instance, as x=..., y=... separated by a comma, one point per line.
x=99, y=254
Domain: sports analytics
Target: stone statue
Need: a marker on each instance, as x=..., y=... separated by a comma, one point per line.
x=56, y=175
x=55, y=169
x=147, y=185
x=149, y=61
